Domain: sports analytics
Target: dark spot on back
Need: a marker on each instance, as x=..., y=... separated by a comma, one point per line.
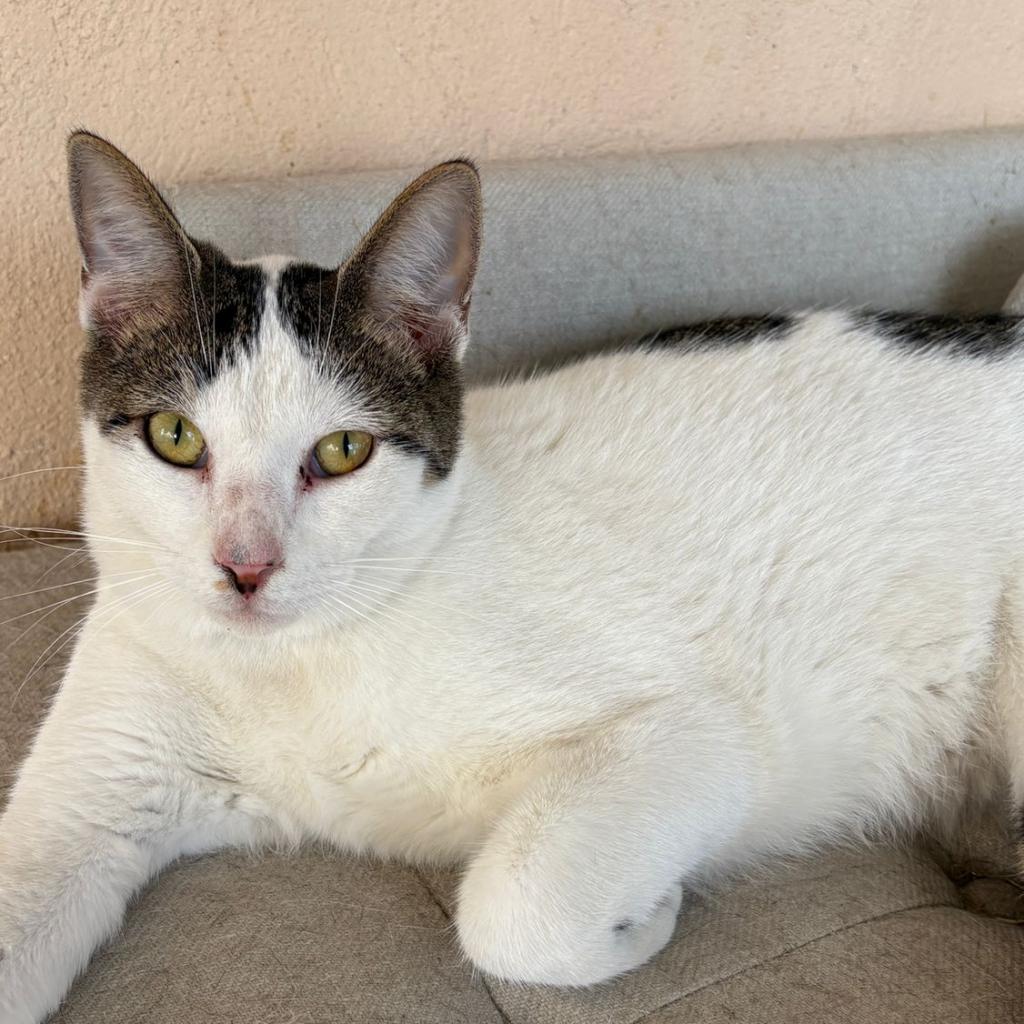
x=986, y=336
x=725, y=333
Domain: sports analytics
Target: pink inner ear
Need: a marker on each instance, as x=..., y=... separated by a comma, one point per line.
x=109, y=303
x=115, y=304
x=429, y=335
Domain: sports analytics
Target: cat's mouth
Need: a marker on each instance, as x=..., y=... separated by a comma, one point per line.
x=252, y=615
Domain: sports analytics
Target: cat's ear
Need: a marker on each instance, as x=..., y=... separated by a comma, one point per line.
x=136, y=258
x=415, y=267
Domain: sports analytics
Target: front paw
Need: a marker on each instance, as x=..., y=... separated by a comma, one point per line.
x=557, y=939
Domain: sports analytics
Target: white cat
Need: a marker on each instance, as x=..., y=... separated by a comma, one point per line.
x=598, y=633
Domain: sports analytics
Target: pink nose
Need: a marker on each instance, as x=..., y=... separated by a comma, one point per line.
x=247, y=579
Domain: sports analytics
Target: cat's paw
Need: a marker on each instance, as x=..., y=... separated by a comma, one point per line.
x=640, y=940
x=558, y=941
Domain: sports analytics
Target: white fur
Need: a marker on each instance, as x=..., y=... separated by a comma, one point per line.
x=670, y=614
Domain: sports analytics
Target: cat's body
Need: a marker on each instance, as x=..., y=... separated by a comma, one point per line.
x=668, y=611
x=632, y=540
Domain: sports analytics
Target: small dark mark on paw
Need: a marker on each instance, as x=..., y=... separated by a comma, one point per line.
x=623, y=926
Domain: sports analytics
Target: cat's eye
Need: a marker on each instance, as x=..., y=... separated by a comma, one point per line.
x=340, y=452
x=176, y=439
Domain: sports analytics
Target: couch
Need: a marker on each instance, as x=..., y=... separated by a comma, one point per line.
x=580, y=255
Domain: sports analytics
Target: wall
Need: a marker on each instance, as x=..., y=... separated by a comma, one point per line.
x=241, y=89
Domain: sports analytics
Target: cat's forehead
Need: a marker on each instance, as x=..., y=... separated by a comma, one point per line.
x=277, y=385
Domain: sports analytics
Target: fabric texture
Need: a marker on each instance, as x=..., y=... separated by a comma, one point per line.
x=579, y=255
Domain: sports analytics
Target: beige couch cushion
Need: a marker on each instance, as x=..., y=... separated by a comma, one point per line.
x=320, y=938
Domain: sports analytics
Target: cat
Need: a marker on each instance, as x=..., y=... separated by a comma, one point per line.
x=598, y=634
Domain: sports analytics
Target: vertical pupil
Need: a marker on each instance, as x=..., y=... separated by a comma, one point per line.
x=177, y=432
x=346, y=445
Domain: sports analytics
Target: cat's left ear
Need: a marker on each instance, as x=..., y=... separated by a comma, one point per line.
x=415, y=267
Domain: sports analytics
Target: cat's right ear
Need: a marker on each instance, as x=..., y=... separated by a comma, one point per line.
x=136, y=258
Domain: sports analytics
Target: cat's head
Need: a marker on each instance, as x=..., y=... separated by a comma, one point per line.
x=260, y=435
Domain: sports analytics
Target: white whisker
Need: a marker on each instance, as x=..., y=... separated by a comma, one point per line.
x=51, y=608
x=71, y=583
x=383, y=588
x=401, y=613
x=57, y=532
x=123, y=602
x=339, y=602
x=44, y=469
x=195, y=306
x=334, y=305
x=79, y=552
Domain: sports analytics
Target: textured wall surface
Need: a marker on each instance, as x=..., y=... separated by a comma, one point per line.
x=238, y=89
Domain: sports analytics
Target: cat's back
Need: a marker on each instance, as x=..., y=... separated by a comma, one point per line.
x=765, y=401
x=802, y=515
x=772, y=486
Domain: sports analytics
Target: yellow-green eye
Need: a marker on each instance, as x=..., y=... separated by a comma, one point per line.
x=341, y=452
x=176, y=439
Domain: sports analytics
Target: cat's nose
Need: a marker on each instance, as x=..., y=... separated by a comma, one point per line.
x=248, y=578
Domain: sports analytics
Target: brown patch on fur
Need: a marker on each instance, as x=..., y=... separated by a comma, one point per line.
x=403, y=364
x=157, y=335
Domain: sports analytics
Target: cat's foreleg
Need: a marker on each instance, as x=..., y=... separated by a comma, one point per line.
x=122, y=779
x=581, y=879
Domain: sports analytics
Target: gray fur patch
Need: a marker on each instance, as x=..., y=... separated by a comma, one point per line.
x=161, y=363
x=419, y=398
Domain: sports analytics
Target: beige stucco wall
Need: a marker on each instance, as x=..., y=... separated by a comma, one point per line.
x=229, y=88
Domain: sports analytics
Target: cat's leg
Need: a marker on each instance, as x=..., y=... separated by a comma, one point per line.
x=580, y=879
x=122, y=778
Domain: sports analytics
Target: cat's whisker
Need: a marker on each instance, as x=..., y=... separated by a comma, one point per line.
x=56, y=545
x=339, y=602
x=51, y=608
x=334, y=305
x=135, y=597
x=70, y=583
x=319, y=305
x=80, y=552
x=213, y=310
x=382, y=588
x=78, y=625
x=387, y=565
x=195, y=306
x=57, y=532
x=391, y=558
x=351, y=590
x=123, y=604
x=417, y=571
x=42, y=469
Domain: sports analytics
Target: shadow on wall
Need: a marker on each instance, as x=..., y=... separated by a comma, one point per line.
x=987, y=270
